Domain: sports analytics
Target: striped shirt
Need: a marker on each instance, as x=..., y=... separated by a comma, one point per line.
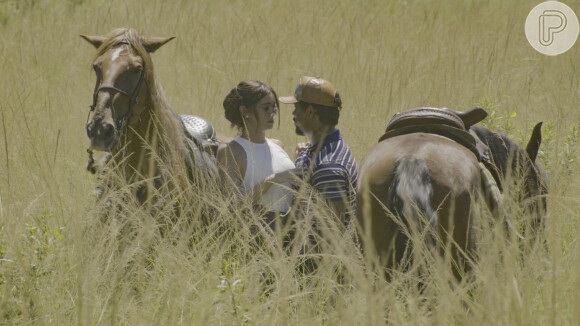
x=333, y=170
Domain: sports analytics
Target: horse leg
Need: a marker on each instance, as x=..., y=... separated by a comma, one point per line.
x=376, y=227
x=456, y=232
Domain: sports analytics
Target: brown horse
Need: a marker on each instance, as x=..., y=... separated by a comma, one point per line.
x=133, y=121
x=418, y=185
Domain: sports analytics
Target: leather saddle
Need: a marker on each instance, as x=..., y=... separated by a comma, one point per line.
x=201, y=132
x=440, y=121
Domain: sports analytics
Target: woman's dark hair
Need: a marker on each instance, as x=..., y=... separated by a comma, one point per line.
x=246, y=93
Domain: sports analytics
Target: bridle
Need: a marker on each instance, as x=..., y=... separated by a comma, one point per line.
x=120, y=125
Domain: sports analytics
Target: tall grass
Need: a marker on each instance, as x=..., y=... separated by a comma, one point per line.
x=62, y=263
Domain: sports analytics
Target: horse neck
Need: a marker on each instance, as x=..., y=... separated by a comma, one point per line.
x=153, y=133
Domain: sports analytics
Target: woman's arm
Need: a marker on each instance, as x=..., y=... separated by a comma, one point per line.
x=231, y=161
x=292, y=176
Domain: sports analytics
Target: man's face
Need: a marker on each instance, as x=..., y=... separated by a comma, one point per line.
x=301, y=119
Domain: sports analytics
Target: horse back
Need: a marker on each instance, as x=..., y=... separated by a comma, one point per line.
x=449, y=163
x=403, y=173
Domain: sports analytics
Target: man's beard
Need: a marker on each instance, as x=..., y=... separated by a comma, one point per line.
x=299, y=131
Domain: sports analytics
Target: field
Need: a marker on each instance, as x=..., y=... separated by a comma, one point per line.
x=61, y=265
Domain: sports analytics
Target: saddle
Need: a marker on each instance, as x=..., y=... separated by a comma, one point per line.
x=440, y=121
x=201, y=132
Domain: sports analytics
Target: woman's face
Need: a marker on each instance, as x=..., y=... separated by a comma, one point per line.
x=265, y=112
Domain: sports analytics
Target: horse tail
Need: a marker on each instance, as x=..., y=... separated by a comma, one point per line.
x=409, y=198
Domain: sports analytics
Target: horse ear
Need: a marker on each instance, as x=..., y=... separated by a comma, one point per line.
x=152, y=44
x=534, y=144
x=96, y=41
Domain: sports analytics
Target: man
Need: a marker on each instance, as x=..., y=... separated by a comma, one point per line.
x=328, y=163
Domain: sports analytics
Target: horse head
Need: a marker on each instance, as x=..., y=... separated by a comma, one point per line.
x=516, y=167
x=122, y=67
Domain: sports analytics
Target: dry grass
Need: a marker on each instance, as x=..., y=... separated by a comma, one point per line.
x=61, y=264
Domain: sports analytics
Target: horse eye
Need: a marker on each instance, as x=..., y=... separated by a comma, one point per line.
x=135, y=71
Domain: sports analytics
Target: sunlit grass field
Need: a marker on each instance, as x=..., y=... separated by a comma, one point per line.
x=61, y=264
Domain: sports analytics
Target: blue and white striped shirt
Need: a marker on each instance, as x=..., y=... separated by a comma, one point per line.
x=333, y=170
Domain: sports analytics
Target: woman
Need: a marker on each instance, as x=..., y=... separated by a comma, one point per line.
x=254, y=163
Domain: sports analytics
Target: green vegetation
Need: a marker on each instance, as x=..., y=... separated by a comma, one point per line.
x=62, y=263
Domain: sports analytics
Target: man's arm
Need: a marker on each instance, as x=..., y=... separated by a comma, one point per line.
x=332, y=183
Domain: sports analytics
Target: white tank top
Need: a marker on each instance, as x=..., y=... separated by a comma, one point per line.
x=263, y=160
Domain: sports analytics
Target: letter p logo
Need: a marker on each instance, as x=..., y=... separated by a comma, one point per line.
x=551, y=22
x=552, y=28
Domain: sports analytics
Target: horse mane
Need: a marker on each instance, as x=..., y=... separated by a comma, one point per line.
x=128, y=36
x=508, y=156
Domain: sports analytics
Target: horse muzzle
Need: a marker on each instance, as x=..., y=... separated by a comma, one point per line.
x=103, y=135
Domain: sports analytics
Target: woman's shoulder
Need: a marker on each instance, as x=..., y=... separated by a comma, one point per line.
x=231, y=149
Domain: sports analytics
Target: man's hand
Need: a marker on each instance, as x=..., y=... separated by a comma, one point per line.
x=299, y=147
